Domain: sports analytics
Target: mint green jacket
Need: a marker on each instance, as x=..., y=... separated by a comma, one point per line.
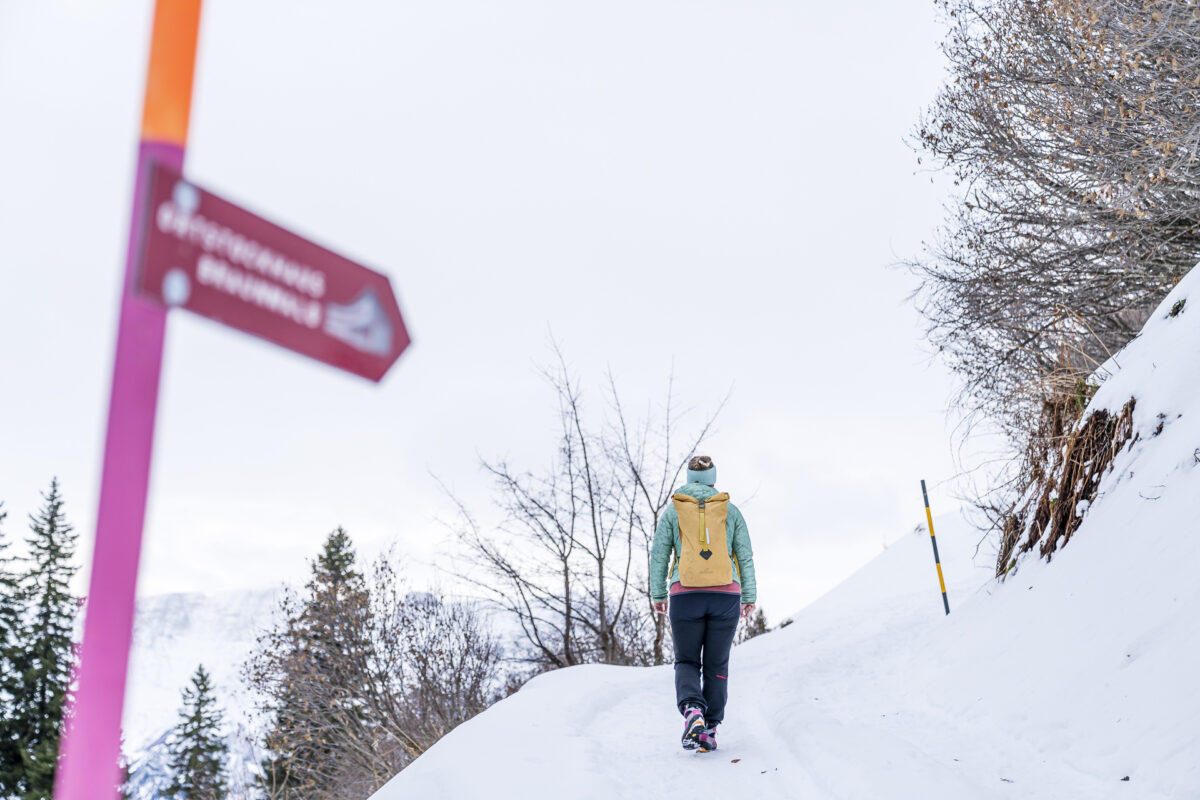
x=666, y=541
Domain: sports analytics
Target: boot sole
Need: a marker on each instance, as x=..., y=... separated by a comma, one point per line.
x=691, y=737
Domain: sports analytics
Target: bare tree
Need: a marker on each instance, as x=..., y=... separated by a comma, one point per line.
x=1071, y=128
x=569, y=559
x=563, y=552
x=436, y=663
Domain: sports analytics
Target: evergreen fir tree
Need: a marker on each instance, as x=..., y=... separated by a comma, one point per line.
x=11, y=766
x=198, y=752
x=298, y=667
x=45, y=655
x=334, y=566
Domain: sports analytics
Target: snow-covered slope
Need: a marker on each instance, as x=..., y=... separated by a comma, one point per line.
x=173, y=634
x=1069, y=680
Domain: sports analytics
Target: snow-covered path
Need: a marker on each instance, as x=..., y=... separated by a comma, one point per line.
x=833, y=706
x=1071, y=679
x=870, y=693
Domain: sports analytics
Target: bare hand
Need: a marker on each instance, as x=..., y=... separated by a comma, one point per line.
x=747, y=610
x=660, y=607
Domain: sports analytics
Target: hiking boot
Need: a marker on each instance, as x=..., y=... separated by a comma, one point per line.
x=707, y=738
x=693, y=724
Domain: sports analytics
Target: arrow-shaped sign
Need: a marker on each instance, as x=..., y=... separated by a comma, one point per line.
x=207, y=255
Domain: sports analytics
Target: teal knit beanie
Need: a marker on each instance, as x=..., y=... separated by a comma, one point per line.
x=702, y=470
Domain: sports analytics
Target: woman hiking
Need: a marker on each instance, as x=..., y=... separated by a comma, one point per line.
x=711, y=578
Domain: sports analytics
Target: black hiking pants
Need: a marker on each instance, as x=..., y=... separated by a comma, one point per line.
x=703, y=625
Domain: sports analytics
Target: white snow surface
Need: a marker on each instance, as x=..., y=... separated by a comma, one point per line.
x=1057, y=683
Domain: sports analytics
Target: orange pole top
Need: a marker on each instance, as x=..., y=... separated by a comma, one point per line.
x=172, y=67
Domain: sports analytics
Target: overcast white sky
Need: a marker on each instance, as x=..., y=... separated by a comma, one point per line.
x=716, y=185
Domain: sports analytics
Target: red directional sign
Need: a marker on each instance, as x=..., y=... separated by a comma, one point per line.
x=209, y=256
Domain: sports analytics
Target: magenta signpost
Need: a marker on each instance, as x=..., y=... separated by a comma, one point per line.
x=190, y=249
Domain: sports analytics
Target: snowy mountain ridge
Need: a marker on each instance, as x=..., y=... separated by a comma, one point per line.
x=173, y=634
x=1067, y=680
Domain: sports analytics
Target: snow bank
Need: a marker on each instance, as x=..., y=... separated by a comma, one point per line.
x=1061, y=682
x=601, y=731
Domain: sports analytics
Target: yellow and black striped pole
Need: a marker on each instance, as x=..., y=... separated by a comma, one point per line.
x=936, y=559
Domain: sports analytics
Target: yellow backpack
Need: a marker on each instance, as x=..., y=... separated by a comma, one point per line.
x=704, y=560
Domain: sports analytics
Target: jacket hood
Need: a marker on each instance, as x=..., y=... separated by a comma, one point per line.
x=699, y=491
